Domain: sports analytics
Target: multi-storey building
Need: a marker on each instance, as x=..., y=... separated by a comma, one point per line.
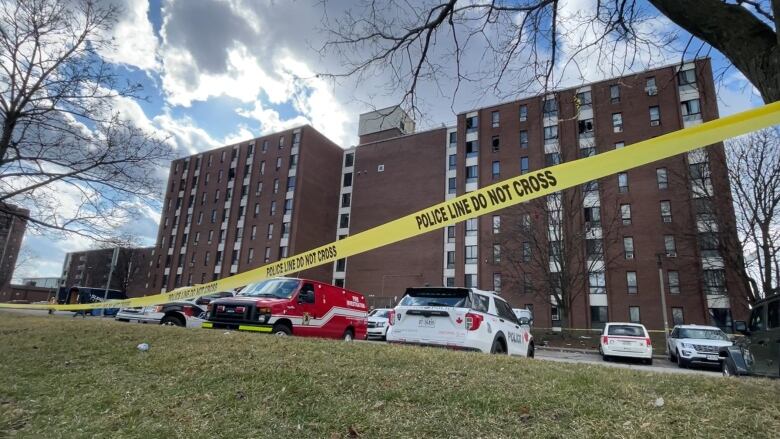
x=92, y=268
x=598, y=247
x=241, y=206
x=580, y=257
x=12, y=227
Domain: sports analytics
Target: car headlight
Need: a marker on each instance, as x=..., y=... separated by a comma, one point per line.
x=380, y=324
x=687, y=346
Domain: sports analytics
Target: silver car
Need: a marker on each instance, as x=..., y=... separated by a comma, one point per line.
x=189, y=313
x=378, y=323
x=690, y=344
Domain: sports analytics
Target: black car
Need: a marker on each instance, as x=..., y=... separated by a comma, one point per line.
x=758, y=352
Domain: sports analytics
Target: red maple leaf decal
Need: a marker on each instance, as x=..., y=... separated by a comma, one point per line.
x=459, y=320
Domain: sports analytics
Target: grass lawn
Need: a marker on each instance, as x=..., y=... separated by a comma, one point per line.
x=62, y=377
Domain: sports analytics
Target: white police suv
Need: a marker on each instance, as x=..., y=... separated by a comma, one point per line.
x=459, y=318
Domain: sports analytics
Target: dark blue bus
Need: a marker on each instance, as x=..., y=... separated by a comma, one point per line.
x=96, y=295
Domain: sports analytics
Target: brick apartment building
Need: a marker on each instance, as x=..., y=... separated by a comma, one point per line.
x=612, y=232
x=92, y=268
x=12, y=228
x=241, y=206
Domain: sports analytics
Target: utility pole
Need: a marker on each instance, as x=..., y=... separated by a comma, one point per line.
x=114, y=258
x=663, y=301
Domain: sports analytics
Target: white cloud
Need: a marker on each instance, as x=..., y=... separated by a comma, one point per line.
x=135, y=43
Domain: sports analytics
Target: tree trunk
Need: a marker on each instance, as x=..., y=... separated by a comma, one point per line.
x=5, y=139
x=749, y=43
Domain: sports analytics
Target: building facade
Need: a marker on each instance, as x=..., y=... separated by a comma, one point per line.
x=92, y=268
x=241, y=206
x=12, y=228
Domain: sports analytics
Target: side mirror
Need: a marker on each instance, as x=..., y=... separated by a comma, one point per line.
x=525, y=321
x=741, y=327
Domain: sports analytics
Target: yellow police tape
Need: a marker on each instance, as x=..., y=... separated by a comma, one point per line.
x=488, y=199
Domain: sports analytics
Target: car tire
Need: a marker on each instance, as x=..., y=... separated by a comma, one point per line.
x=672, y=357
x=281, y=330
x=682, y=363
x=498, y=347
x=727, y=369
x=649, y=361
x=171, y=320
x=348, y=335
x=530, y=353
x=605, y=357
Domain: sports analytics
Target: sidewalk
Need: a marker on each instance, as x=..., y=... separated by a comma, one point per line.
x=580, y=351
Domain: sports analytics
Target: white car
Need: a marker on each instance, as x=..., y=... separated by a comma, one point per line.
x=696, y=344
x=459, y=318
x=524, y=313
x=378, y=323
x=189, y=313
x=626, y=340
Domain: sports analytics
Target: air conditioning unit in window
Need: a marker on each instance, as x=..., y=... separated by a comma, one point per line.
x=652, y=91
x=629, y=256
x=655, y=123
x=671, y=254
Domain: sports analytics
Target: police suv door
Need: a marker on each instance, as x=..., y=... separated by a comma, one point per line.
x=513, y=332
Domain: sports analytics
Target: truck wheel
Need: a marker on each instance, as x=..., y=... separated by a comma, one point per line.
x=171, y=320
x=348, y=335
x=531, y=350
x=728, y=369
x=281, y=330
x=498, y=347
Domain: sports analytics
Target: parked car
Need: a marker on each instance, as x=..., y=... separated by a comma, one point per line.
x=626, y=340
x=459, y=318
x=65, y=297
x=524, y=313
x=758, y=352
x=290, y=306
x=190, y=313
x=688, y=344
x=378, y=322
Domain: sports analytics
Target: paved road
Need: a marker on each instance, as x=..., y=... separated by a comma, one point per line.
x=547, y=354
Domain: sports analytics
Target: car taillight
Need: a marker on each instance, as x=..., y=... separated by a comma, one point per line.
x=604, y=339
x=391, y=317
x=647, y=340
x=221, y=308
x=473, y=321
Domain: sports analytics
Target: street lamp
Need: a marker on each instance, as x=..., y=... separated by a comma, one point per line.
x=663, y=300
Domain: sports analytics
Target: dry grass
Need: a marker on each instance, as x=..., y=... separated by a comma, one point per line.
x=66, y=378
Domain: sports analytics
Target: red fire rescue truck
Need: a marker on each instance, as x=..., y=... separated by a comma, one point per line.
x=288, y=306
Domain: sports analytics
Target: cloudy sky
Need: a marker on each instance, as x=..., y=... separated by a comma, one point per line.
x=216, y=72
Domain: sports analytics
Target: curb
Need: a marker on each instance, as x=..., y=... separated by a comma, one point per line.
x=582, y=351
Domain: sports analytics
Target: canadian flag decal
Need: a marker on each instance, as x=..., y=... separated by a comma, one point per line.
x=459, y=320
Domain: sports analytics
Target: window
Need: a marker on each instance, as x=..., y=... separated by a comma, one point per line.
x=655, y=116
x=555, y=251
x=662, y=178
x=254, y=233
x=346, y=199
x=494, y=119
x=265, y=146
x=291, y=183
x=497, y=283
x=276, y=185
x=677, y=316
x=617, y=122
x=296, y=138
x=592, y=216
x=633, y=314
x=625, y=214
x=619, y=145
x=552, y=159
x=715, y=282
x=526, y=251
x=452, y=161
x=293, y=161
x=262, y=167
x=623, y=182
x=550, y=108
x=721, y=317
x=550, y=133
x=496, y=224
x=285, y=230
x=270, y=234
x=453, y=139
x=709, y=244
x=496, y=169
x=591, y=188
x=283, y=251
x=471, y=254
x=452, y=185
x=650, y=86
x=349, y=159
x=614, y=93
x=472, y=174
x=347, y=179
x=585, y=100
x=594, y=248
x=267, y=255
x=686, y=77
x=496, y=142
x=757, y=322
x=281, y=142
x=523, y=113
x=691, y=110
x=525, y=222
x=496, y=253
x=470, y=280
x=585, y=128
x=666, y=211
x=674, y=281
x=213, y=215
x=273, y=208
x=341, y=265
x=251, y=255
x=523, y=139
x=278, y=163
x=472, y=124
x=449, y=281
x=631, y=282
x=554, y=314
x=211, y=235
x=670, y=246
x=628, y=247
x=450, y=234
x=450, y=259
x=598, y=316
x=288, y=206
x=472, y=148
x=206, y=259
x=339, y=283
x=344, y=220
x=259, y=189
x=597, y=282
x=471, y=227
x=524, y=165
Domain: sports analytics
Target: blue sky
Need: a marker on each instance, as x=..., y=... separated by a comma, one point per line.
x=219, y=71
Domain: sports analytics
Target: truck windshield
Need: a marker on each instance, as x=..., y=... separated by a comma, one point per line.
x=456, y=297
x=703, y=334
x=278, y=288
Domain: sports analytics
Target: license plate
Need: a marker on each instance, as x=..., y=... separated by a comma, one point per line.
x=426, y=323
x=712, y=357
x=628, y=343
x=230, y=310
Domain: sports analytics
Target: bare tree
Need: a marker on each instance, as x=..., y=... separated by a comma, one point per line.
x=64, y=152
x=27, y=257
x=532, y=44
